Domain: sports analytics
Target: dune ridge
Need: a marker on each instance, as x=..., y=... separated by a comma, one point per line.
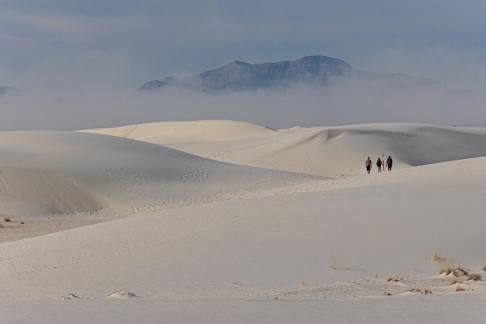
x=183, y=229
x=324, y=151
x=68, y=172
x=188, y=132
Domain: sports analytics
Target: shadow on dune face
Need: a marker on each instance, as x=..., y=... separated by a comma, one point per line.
x=416, y=145
x=27, y=192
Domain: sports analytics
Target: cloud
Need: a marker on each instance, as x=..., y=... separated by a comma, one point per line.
x=343, y=103
x=81, y=60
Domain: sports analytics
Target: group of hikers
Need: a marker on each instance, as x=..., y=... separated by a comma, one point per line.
x=380, y=164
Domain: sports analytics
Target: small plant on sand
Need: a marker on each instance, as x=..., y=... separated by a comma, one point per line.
x=454, y=282
x=415, y=290
x=455, y=271
x=437, y=258
x=394, y=279
x=474, y=277
x=421, y=291
x=483, y=268
x=460, y=288
x=7, y=219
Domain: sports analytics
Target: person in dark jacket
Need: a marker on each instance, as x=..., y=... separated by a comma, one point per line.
x=378, y=164
x=389, y=163
x=368, y=164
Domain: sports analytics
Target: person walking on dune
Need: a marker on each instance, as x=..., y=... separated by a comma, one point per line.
x=389, y=163
x=379, y=163
x=383, y=162
x=368, y=165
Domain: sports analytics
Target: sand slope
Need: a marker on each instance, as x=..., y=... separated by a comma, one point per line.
x=188, y=132
x=323, y=151
x=256, y=244
x=338, y=241
x=31, y=191
x=62, y=172
x=453, y=309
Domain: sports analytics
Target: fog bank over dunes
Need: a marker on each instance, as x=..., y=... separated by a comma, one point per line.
x=338, y=104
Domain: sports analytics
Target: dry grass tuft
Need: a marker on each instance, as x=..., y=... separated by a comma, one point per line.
x=421, y=291
x=394, y=279
x=415, y=290
x=437, y=258
x=474, y=277
x=455, y=271
x=5, y=218
x=460, y=288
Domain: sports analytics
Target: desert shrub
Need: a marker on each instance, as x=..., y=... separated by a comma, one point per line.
x=438, y=258
x=460, y=288
x=455, y=271
x=474, y=277
x=415, y=290
x=421, y=291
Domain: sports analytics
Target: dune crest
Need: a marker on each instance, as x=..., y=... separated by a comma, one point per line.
x=70, y=172
x=188, y=131
x=323, y=151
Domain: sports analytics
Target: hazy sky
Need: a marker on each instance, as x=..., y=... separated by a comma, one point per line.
x=81, y=61
x=123, y=43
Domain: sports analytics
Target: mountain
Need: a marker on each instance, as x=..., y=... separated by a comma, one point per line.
x=310, y=70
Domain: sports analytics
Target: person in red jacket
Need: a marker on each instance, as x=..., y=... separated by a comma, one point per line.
x=379, y=163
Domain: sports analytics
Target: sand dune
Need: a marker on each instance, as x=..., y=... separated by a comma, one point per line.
x=64, y=172
x=188, y=132
x=338, y=241
x=30, y=191
x=325, y=151
x=203, y=232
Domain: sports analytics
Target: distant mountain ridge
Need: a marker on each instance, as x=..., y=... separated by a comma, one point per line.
x=310, y=70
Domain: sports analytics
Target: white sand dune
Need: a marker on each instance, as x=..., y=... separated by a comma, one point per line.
x=321, y=151
x=62, y=172
x=287, y=245
x=453, y=309
x=30, y=191
x=279, y=242
x=188, y=132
